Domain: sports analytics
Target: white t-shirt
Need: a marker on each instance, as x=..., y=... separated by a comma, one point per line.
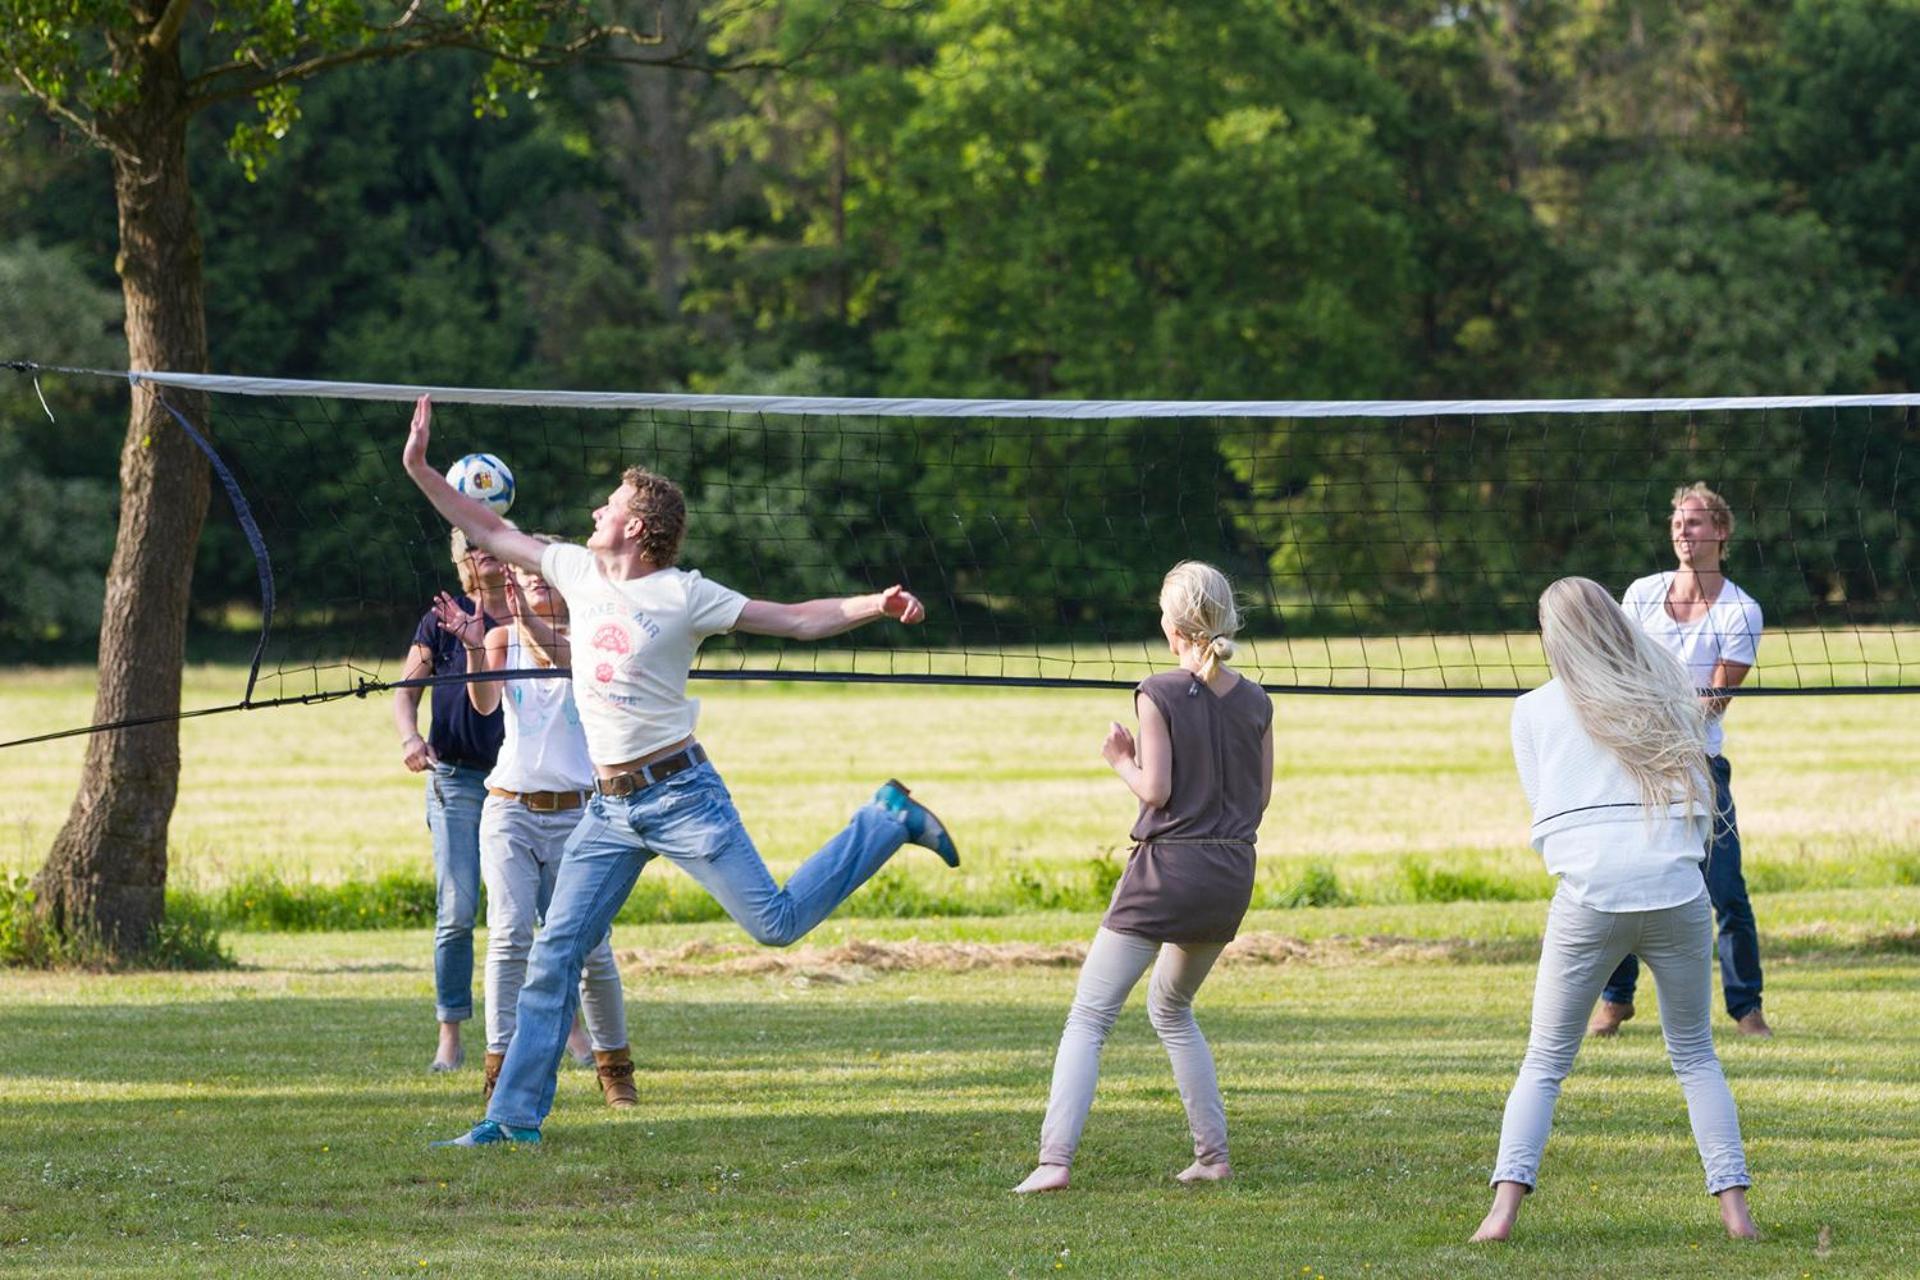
x=1729, y=630
x=544, y=748
x=633, y=644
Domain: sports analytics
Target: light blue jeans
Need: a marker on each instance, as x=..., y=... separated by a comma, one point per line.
x=1580, y=949
x=520, y=852
x=454, y=796
x=690, y=819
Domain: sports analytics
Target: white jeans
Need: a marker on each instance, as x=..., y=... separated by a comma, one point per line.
x=1114, y=964
x=1580, y=950
x=519, y=860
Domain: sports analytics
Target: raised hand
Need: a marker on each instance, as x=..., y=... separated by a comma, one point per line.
x=903, y=606
x=415, y=453
x=1118, y=746
x=470, y=628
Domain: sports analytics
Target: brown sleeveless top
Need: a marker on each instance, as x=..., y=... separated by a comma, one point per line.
x=1190, y=877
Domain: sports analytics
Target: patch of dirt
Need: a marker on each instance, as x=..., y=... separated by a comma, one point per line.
x=858, y=961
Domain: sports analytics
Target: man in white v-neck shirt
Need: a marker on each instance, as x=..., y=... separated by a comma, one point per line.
x=1703, y=618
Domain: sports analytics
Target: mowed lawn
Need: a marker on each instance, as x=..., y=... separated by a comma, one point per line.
x=833, y=1117
x=1828, y=787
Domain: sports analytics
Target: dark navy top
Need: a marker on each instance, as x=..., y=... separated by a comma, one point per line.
x=460, y=735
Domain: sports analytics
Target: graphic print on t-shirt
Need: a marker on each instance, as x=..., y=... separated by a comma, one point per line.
x=614, y=639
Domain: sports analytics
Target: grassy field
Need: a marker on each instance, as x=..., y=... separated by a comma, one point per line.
x=1377, y=790
x=823, y=1113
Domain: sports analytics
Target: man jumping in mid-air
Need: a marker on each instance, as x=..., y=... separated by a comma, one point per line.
x=637, y=623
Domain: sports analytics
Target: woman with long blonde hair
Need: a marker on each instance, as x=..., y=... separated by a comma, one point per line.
x=1612, y=755
x=1202, y=770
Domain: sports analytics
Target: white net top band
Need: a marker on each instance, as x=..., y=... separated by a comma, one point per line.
x=869, y=406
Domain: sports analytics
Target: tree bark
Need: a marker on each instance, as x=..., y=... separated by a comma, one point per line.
x=104, y=882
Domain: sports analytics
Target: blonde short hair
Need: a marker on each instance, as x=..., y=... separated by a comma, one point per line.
x=1198, y=601
x=1717, y=509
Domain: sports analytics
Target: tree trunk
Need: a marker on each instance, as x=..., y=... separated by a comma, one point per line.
x=104, y=882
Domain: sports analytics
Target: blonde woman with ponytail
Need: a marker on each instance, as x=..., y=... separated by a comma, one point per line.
x=1612, y=754
x=1202, y=770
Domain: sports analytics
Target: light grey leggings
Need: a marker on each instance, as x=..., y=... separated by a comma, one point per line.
x=1580, y=950
x=519, y=860
x=1114, y=964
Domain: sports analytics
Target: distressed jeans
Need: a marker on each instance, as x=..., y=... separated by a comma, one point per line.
x=520, y=851
x=688, y=818
x=1580, y=948
x=454, y=796
x=1739, y=942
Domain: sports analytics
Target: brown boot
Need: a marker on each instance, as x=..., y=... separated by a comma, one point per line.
x=1754, y=1023
x=615, y=1069
x=1608, y=1017
x=492, y=1076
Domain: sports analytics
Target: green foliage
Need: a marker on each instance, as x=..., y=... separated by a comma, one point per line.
x=1698, y=282
x=1426, y=883
x=1834, y=115
x=57, y=522
x=1318, y=886
x=187, y=938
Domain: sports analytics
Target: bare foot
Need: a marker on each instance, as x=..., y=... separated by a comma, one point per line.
x=1608, y=1017
x=449, y=1056
x=1498, y=1224
x=1733, y=1212
x=1754, y=1023
x=1048, y=1177
x=1197, y=1172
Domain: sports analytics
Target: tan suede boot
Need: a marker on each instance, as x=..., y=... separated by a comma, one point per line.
x=492, y=1076
x=615, y=1069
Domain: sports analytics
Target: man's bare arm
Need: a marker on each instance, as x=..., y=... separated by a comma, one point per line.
x=1726, y=675
x=819, y=619
x=481, y=525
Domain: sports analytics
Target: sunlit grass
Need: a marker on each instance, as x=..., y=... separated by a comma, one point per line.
x=827, y=1120
x=1828, y=788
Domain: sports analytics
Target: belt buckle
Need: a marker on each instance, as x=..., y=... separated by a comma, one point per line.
x=542, y=801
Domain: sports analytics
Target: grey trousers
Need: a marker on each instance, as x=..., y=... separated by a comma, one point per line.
x=1580, y=950
x=519, y=861
x=1114, y=964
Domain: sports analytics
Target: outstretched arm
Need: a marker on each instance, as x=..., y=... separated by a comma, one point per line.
x=481, y=526
x=818, y=619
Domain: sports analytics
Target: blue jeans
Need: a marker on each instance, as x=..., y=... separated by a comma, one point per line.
x=455, y=794
x=690, y=819
x=1739, y=941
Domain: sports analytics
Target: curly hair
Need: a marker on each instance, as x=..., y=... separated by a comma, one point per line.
x=658, y=502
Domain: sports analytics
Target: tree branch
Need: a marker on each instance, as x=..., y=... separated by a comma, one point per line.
x=166, y=32
x=245, y=79
x=60, y=111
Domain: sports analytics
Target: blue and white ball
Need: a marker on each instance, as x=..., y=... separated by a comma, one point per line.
x=485, y=479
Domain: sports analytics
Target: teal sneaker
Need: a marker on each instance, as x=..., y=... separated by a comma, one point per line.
x=923, y=828
x=489, y=1132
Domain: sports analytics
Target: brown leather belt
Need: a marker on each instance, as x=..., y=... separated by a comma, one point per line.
x=542, y=801
x=625, y=784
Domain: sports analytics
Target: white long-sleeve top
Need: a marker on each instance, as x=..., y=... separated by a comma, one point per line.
x=1588, y=822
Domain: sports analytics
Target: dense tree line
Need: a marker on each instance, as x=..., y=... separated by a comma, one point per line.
x=1233, y=199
